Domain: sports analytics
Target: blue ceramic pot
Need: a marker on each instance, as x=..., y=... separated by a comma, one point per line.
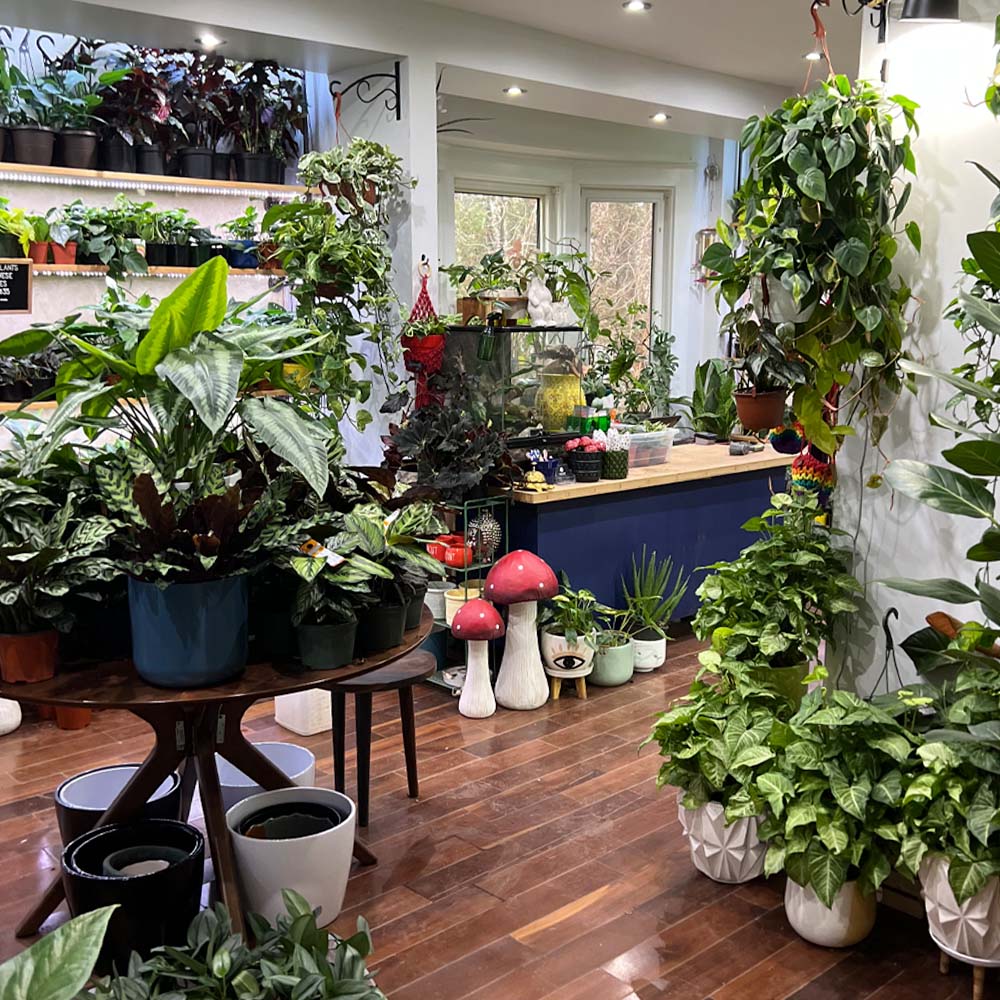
x=244, y=255
x=189, y=634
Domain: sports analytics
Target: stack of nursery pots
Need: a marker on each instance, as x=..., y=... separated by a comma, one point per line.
x=293, y=838
x=585, y=457
x=132, y=866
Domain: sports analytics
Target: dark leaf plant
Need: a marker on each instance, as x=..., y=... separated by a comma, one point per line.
x=834, y=792
x=716, y=740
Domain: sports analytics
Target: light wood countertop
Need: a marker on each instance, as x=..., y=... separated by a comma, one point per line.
x=688, y=463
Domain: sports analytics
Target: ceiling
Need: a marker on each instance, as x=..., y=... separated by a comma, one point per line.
x=761, y=40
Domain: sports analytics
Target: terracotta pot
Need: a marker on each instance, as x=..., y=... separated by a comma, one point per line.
x=29, y=657
x=39, y=252
x=63, y=254
x=73, y=718
x=346, y=191
x=458, y=556
x=760, y=411
x=267, y=253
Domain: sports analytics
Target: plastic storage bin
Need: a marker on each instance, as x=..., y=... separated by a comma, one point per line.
x=650, y=448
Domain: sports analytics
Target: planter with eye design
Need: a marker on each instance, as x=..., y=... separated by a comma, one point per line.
x=566, y=659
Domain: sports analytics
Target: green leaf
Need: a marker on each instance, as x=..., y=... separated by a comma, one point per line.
x=299, y=441
x=827, y=873
x=851, y=798
x=987, y=549
x=985, y=248
x=20, y=345
x=986, y=314
x=982, y=814
x=892, y=745
x=57, y=966
x=752, y=756
x=941, y=488
x=208, y=377
x=799, y=814
x=832, y=831
x=719, y=258
x=751, y=132
x=966, y=877
x=914, y=236
x=197, y=304
x=840, y=151
x=963, y=385
x=912, y=852
x=927, y=648
x=978, y=458
x=889, y=787
x=809, y=408
x=870, y=317
x=852, y=255
x=775, y=787
x=812, y=183
x=940, y=589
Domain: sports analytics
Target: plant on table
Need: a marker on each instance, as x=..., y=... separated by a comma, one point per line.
x=568, y=276
x=712, y=407
x=814, y=235
x=107, y=235
x=245, y=226
x=487, y=279
x=65, y=99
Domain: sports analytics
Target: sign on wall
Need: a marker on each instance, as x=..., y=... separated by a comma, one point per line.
x=15, y=286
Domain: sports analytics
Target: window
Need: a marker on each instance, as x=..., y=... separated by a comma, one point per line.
x=485, y=223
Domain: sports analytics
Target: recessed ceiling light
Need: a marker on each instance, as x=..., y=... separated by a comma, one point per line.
x=660, y=117
x=514, y=91
x=209, y=41
x=637, y=6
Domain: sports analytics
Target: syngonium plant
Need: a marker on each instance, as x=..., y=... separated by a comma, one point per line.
x=819, y=218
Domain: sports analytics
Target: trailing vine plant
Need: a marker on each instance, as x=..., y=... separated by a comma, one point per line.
x=815, y=230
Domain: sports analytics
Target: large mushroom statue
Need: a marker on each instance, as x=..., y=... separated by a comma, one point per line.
x=520, y=580
x=477, y=623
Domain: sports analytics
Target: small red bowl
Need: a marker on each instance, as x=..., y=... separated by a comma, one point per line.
x=458, y=556
x=436, y=550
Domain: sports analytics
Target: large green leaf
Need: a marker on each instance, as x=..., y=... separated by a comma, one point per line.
x=852, y=798
x=852, y=255
x=978, y=458
x=827, y=873
x=962, y=384
x=983, y=814
x=940, y=589
x=20, y=345
x=57, y=966
x=208, y=377
x=775, y=787
x=986, y=314
x=985, y=248
x=197, y=304
x=839, y=150
x=299, y=441
x=940, y=488
x=966, y=878
x=927, y=648
x=812, y=183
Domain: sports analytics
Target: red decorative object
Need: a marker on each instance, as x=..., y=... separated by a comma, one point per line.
x=423, y=356
x=458, y=556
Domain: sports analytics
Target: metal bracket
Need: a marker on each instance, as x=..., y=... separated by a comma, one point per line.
x=180, y=735
x=367, y=94
x=878, y=15
x=220, y=728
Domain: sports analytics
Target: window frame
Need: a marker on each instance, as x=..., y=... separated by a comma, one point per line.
x=545, y=196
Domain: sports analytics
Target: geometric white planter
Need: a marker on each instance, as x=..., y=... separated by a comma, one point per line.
x=730, y=854
x=556, y=647
x=317, y=867
x=650, y=654
x=848, y=921
x=963, y=930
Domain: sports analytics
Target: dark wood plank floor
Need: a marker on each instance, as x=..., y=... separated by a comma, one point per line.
x=540, y=862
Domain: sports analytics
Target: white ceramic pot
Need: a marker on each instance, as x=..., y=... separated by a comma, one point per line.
x=317, y=867
x=649, y=654
x=10, y=716
x=781, y=304
x=848, y=921
x=305, y=713
x=730, y=854
x=970, y=929
x=434, y=598
x=454, y=600
x=566, y=659
x=297, y=763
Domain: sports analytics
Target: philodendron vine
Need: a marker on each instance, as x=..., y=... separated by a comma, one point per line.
x=818, y=221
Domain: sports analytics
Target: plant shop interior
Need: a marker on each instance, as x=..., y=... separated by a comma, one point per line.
x=498, y=499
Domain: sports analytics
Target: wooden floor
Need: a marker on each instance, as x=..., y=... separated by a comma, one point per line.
x=540, y=862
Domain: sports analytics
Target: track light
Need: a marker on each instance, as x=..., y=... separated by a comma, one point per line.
x=931, y=10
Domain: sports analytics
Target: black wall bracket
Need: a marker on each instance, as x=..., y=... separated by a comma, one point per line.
x=368, y=90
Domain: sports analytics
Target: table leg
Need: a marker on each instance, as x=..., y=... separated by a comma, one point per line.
x=162, y=760
x=408, y=719
x=363, y=732
x=189, y=777
x=338, y=704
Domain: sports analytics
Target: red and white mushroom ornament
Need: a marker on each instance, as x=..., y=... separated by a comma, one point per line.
x=477, y=622
x=520, y=580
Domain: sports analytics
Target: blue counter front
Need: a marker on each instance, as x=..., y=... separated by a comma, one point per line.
x=691, y=509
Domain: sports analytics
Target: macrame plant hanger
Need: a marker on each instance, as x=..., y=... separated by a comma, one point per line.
x=423, y=356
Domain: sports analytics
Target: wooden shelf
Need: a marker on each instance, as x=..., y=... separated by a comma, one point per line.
x=688, y=463
x=97, y=270
x=30, y=173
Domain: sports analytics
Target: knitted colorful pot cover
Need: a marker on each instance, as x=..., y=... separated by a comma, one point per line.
x=788, y=440
x=816, y=474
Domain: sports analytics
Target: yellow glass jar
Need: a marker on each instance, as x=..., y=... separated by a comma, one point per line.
x=558, y=396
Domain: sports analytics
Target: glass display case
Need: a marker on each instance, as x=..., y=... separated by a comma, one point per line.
x=531, y=376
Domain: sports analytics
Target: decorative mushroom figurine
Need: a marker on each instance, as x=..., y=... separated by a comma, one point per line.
x=521, y=580
x=477, y=622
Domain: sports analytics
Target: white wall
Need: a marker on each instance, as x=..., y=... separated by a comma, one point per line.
x=936, y=65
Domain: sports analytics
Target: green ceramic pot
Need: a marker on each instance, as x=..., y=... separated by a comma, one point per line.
x=788, y=680
x=614, y=465
x=613, y=665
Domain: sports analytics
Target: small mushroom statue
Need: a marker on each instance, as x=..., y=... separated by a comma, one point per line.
x=477, y=622
x=521, y=580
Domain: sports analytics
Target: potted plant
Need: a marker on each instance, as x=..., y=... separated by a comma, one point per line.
x=715, y=742
x=712, y=406
x=614, y=458
x=16, y=231
x=834, y=794
x=569, y=632
x=51, y=237
x=243, y=230
x=651, y=602
x=106, y=235
x=203, y=105
x=259, y=96
x=585, y=456
x=483, y=284
x=782, y=596
x=614, y=662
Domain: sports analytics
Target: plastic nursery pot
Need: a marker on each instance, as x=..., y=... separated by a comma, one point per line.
x=243, y=255
x=614, y=465
x=157, y=254
x=297, y=764
x=760, y=411
x=156, y=884
x=189, y=635
x=326, y=647
x=78, y=148
x=39, y=252
x=277, y=170
x=221, y=165
x=380, y=628
x=848, y=921
x=149, y=159
x=73, y=718
x=33, y=144
x=650, y=650
x=415, y=607
x=195, y=161
x=116, y=154
x=613, y=665
x=10, y=247
x=29, y=656
x=63, y=253
x=253, y=167
x=458, y=556
x=586, y=465
x=787, y=680
x=82, y=800
x=316, y=864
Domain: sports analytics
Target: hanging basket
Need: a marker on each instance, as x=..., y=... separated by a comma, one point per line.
x=760, y=411
x=423, y=355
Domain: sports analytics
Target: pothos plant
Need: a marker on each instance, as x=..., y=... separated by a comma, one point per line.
x=819, y=219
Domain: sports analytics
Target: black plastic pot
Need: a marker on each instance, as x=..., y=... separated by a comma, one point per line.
x=181, y=255
x=149, y=159
x=158, y=254
x=33, y=144
x=116, y=154
x=40, y=385
x=277, y=171
x=78, y=148
x=195, y=161
x=380, y=628
x=10, y=247
x=200, y=253
x=154, y=908
x=3, y=143
x=82, y=799
x=586, y=466
x=326, y=647
x=253, y=167
x=14, y=392
x=221, y=163
x=415, y=608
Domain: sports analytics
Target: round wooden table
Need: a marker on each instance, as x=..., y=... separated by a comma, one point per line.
x=190, y=728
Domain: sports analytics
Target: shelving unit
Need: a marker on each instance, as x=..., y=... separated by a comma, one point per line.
x=97, y=270
x=29, y=173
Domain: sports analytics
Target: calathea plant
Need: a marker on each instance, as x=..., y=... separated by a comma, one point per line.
x=817, y=223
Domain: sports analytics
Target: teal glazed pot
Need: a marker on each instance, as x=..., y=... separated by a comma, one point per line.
x=613, y=665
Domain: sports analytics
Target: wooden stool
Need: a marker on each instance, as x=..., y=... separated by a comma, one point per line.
x=399, y=676
x=978, y=975
x=581, y=687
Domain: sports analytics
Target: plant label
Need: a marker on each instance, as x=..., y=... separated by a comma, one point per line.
x=15, y=286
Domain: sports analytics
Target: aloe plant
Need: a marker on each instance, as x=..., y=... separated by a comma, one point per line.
x=650, y=599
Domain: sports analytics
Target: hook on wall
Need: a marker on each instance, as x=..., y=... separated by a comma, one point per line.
x=365, y=89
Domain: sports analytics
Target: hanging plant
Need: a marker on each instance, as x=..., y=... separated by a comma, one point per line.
x=815, y=230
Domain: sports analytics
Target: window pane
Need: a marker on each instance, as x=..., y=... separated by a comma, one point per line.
x=485, y=223
x=621, y=242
